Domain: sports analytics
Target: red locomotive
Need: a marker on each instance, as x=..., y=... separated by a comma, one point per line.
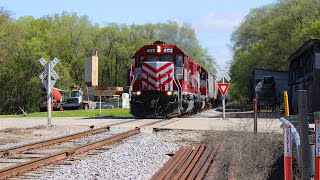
x=165, y=81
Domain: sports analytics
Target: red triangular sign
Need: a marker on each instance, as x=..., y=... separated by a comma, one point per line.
x=223, y=87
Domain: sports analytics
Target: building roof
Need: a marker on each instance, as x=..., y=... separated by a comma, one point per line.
x=307, y=45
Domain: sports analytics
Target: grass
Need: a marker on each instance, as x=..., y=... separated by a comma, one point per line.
x=115, y=112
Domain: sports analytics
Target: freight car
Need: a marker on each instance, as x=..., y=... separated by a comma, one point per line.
x=164, y=81
x=304, y=74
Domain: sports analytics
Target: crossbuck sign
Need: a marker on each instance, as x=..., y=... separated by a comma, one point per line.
x=45, y=65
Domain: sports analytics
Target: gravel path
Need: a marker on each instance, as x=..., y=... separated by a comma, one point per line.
x=138, y=157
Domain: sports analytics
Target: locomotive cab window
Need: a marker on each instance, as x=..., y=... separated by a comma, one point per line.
x=166, y=57
x=151, y=58
x=203, y=76
x=179, y=60
x=139, y=60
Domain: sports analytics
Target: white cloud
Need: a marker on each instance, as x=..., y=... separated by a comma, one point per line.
x=218, y=22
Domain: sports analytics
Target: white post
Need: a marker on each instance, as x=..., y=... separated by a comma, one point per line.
x=49, y=96
x=223, y=103
x=100, y=105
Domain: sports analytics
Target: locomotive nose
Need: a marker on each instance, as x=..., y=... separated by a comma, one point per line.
x=157, y=75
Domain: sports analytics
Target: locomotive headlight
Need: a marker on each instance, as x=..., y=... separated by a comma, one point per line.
x=169, y=93
x=158, y=49
x=138, y=93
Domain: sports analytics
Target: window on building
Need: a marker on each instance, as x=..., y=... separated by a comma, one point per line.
x=317, y=61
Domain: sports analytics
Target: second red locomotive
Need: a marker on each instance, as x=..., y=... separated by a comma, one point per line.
x=164, y=81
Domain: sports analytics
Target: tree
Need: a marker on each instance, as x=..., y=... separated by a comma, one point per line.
x=268, y=36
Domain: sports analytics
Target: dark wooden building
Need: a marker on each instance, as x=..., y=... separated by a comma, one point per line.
x=304, y=74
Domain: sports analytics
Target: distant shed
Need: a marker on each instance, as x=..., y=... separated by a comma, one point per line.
x=304, y=74
x=281, y=83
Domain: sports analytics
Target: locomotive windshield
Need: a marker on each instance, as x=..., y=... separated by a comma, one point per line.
x=151, y=58
x=166, y=57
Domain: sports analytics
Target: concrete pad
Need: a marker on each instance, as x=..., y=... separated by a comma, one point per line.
x=218, y=124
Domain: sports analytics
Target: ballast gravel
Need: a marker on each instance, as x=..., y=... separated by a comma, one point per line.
x=137, y=157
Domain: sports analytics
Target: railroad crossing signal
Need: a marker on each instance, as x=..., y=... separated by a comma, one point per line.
x=48, y=83
x=223, y=75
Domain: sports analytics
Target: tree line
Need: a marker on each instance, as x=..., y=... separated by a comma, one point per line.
x=268, y=36
x=72, y=39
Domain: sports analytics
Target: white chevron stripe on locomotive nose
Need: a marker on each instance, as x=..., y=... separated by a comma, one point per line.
x=156, y=83
x=156, y=66
x=157, y=75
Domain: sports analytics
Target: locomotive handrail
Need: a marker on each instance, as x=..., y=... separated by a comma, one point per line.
x=132, y=83
x=178, y=93
x=179, y=90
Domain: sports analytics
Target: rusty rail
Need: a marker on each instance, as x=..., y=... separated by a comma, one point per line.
x=35, y=145
x=189, y=163
x=24, y=167
x=9, y=151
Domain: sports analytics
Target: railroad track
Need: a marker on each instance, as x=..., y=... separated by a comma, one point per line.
x=31, y=156
x=189, y=162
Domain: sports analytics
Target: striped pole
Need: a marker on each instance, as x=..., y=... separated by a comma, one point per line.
x=317, y=146
x=287, y=152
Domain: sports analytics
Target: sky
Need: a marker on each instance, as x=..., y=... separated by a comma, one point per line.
x=213, y=20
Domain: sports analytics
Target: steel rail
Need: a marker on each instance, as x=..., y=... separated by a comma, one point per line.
x=35, y=145
x=14, y=150
x=24, y=167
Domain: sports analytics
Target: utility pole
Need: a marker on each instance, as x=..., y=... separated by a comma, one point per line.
x=304, y=136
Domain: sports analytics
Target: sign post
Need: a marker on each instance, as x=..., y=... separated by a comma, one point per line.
x=223, y=87
x=287, y=152
x=48, y=84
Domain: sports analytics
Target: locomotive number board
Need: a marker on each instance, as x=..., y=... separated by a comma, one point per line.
x=165, y=50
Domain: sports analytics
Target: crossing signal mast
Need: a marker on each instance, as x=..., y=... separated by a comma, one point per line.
x=223, y=88
x=48, y=83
